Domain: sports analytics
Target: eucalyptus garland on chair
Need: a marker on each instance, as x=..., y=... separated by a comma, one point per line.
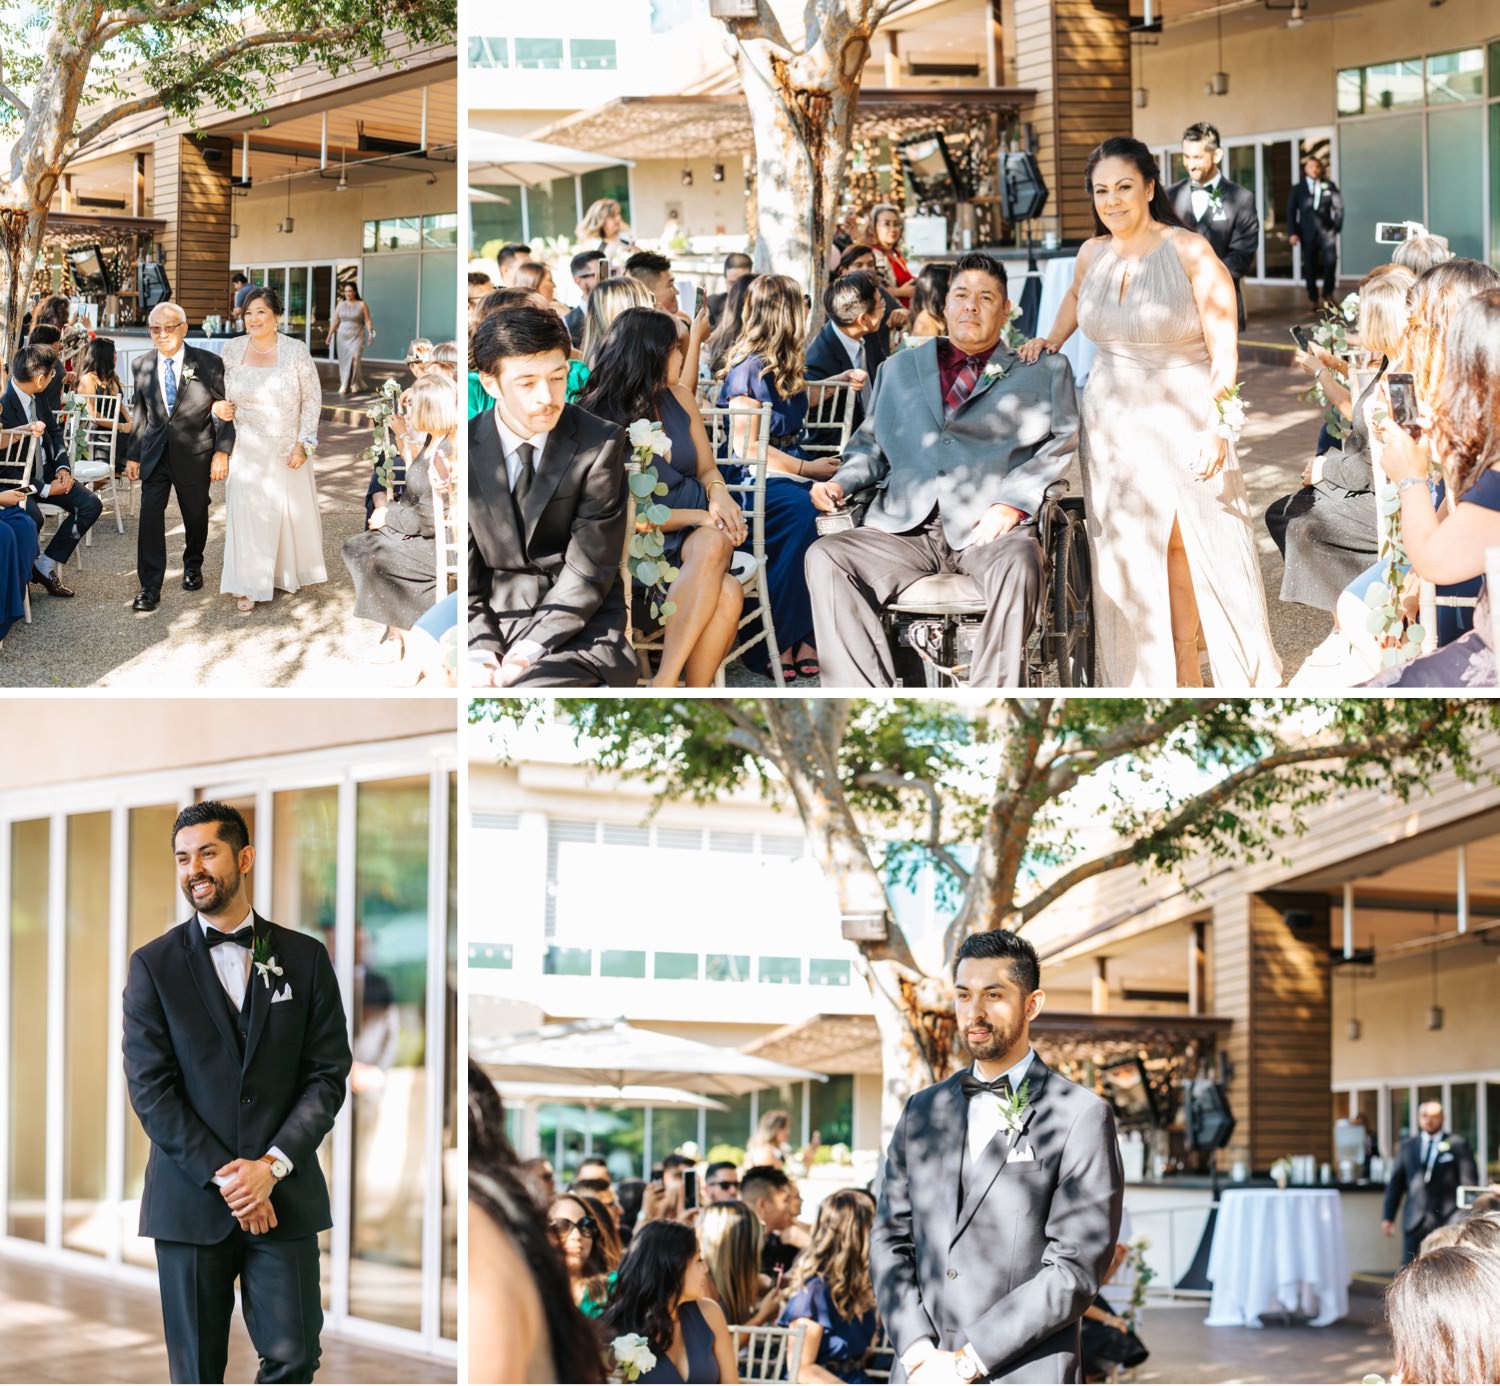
x=648, y=565
x=75, y=409
x=1400, y=643
x=1332, y=334
x=382, y=450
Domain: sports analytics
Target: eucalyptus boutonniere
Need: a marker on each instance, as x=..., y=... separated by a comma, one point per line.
x=264, y=960
x=1013, y=1108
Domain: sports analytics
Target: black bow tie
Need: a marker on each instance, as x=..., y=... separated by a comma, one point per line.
x=1202, y=187
x=972, y=1086
x=244, y=937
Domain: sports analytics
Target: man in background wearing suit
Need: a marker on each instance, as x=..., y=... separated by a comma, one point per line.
x=1315, y=216
x=963, y=439
x=1001, y=1196
x=584, y=267
x=237, y=1060
x=849, y=346
x=546, y=518
x=1430, y=1166
x=736, y=266
x=1223, y=213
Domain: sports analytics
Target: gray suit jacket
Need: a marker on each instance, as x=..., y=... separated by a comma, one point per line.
x=1010, y=440
x=1013, y=1269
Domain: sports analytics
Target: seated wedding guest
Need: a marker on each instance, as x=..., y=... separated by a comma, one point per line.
x=630, y=1193
x=721, y=1182
x=18, y=551
x=730, y=1237
x=1441, y=1310
x=510, y=259
x=1421, y=253
x=1440, y=1237
x=859, y=258
x=927, y=300
x=33, y=370
x=633, y=378
x=393, y=563
x=736, y=266
x=1464, y=440
x=607, y=1225
x=831, y=1293
x=546, y=518
x=99, y=378
x=960, y=489
x=887, y=225
x=727, y=333
x=663, y=1293
x=584, y=267
x=575, y=1233
x=540, y=1179
x=538, y=277
x=1108, y=1343
x=770, y=1194
x=605, y=304
x=531, y=1329
x=502, y=300
x=1326, y=531
x=848, y=347
x=766, y=365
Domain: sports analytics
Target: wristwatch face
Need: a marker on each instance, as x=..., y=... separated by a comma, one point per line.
x=279, y=1168
x=968, y=1368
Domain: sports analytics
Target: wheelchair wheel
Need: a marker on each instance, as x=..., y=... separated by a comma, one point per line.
x=1072, y=613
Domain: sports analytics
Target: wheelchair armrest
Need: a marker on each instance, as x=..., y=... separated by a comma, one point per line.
x=1056, y=491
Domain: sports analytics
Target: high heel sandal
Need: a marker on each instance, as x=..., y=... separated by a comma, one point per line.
x=245, y=604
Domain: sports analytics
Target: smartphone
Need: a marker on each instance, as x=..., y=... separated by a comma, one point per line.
x=1301, y=336
x=1392, y=232
x=602, y=273
x=689, y=1189
x=1402, y=386
x=656, y=1174
x=690, y=296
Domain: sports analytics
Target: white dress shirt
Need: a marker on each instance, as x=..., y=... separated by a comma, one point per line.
x=28, y=407
x=510, y=443
x=232, y=962
x=161, y=373
x=1430, y=1146
x=1203, y=197
x=853, y=349
x=984, y=1109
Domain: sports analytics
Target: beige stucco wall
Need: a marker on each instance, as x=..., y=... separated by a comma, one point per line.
x=1283, y=79
x=134, y=735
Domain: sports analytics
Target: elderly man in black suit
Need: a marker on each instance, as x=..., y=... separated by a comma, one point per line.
x=546, y=518
x=1430, y=1166
x=1315, y=216
x=849, y=346
x=24, y=406
x=1223, y=213
x=237, y=1059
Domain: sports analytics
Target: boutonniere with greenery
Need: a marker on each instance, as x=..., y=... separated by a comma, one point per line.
x=1216, y=198
x=264, y=959
x=633, y=1356
x=1013, y=1109
x=1231, y=408
x=996, y=370
x=189, y=372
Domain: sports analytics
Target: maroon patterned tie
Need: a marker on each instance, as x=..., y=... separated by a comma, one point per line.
x=963, y=385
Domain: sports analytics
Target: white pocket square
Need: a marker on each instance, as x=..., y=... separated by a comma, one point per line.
x=285, y=994
x=1025, y=1155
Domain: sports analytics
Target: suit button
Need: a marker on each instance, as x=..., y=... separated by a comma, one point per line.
x=952, y=1274
x=246, y=1101
x=946, y=441
x=941, y=472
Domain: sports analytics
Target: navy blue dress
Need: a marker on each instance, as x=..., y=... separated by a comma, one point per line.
x=698, y=1338
x=18, y=551
x=845, y=1341
x=680, y=471
x=791, y=518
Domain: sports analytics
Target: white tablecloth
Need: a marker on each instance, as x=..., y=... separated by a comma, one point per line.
x=128, y=349
x=1057, y=279
x=1278, y=1251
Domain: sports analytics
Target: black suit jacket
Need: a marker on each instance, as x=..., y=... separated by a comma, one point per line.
x=49, y=451
x=191, y=433
x=202, y=1106
x=1235, y=236
x=1321, y=224
x=826, y=357
x=546, y=584
x=1430, y=1203
x=574, y=321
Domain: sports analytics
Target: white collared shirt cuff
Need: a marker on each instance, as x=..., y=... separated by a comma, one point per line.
x=275, y=1150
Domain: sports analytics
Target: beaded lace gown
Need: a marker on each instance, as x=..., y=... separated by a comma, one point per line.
x=1143, y=419
x=274, y=534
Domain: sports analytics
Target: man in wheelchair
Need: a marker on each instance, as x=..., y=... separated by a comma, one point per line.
x=960, y=444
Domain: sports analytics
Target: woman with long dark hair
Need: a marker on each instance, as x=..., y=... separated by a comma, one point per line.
x=98, y=377
x=634, y=377
x=1169, y=521
x=663, y=1293
x=928, y=298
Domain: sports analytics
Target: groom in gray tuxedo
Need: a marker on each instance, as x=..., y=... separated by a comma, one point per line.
x=1001, y=1195
x=962, y=439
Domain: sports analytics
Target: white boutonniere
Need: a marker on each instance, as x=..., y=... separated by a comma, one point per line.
x=996, y=370
x=1013, y=1109
x=633, y=1356
x=1444, y=1147
x=265, y=960
x=1216, y=201
x=189, y=372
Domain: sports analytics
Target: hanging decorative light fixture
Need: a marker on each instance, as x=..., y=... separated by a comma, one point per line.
x=1434, y=1011
x=286, y=226
x=1219, y=83
x=1353, y=1028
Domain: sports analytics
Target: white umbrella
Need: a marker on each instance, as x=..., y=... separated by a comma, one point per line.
x=601, y=1095
x=509, y=159
x=616, y=1054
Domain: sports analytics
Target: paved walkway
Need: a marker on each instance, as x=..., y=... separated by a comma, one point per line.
x=199, y=639
x=60, y=1326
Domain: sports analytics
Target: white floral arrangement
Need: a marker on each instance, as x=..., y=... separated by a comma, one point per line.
x=633, y=1356
x=648, y=564
x=1281, y=1170
x=211, y=325
x=1231, y=409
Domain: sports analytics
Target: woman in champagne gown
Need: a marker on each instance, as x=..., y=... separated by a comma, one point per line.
x=273, y=534
x=1169, y=522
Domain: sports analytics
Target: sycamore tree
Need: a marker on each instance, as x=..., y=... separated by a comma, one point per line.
x=1016, y=801
x=73, y=69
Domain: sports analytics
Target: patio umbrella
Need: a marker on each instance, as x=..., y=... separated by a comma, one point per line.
x=508, y=159
x=601, y=1095
x=615, y=1054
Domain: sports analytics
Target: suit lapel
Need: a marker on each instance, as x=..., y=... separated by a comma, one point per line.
x=490, y=485
x=210, y=988
x=260, y=1005
x=997, y=1153
x=1002, y=355
x=950, y=1114
x=927, y=367
x=557, y=457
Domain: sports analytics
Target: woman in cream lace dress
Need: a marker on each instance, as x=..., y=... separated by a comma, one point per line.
x=274, y=535
x=1169, y=524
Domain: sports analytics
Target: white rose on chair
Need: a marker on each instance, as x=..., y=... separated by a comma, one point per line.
x=632, y=1356
x=646, y=436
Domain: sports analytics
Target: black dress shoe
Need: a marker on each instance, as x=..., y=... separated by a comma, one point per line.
x=146, y=600
x=51, y=582
x=192, y=580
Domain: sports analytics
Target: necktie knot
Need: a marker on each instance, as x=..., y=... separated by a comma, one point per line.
x=973, y=1085
x=526, y=453
x=245, y=936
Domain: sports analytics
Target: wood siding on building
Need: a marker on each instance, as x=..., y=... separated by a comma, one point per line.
x=193, y=198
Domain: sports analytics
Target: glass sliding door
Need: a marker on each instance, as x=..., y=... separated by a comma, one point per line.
x=26, y=1156
x=321, y=311
x=1279, y=175
x=86, y=1055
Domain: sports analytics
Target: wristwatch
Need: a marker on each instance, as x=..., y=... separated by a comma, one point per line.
x=279, y=1168
x=968, y=1366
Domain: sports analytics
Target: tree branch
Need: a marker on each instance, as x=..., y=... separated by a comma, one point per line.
x=11, y=99
x=1212, y=798
x=892, y=780
x=1068, y=764
x=111, y=26
x=749, y=735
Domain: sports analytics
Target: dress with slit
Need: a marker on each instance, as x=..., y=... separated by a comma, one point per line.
x=1144, y=413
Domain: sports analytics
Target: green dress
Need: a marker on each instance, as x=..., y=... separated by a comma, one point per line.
x=479, y=398
x=590, y=1309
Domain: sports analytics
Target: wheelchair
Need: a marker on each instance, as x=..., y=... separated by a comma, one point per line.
x=933, y=624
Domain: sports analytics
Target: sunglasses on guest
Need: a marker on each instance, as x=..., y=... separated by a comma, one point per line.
x=723, y=1183
x=561, y=1227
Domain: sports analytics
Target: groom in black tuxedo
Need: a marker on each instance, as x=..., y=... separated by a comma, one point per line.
x=1001, y=1196
x=236, y=1057
x=1223, y=213
x=175, y=443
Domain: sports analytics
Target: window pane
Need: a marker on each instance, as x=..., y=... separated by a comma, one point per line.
x=593, y=55
x=27, y=1157
x=294, y=323
x=391, y=288
x=370, y=244
x=1495, y=69
x=494, y=218
x=1276, y=162
x=671, y=1129
x=619, y=962
x=152, y=906
x=1368, y=1100
x=1455, y=197
x=389, y=1082
x=539, y=53
x=568, y=962
x=440, y=232
x=489, y=52
x=553, y=209
x=439, y=295
x=498, y=955
x=322, y=308
x=676, y=967
x=1381, y=164
x=727, y=967
x=731, y=1128
x=1455, y=76
x=827, y=972
x=1391, y=86
x=832, y=1109
x=1401, y=1118
x=1464, y=1118
x=400, y=233
x=781, y=970
x=620, y=1140
x=87, y=1013
x=1351, y=91
x=1240, y=163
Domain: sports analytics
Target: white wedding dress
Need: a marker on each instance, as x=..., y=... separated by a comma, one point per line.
x=274, y=534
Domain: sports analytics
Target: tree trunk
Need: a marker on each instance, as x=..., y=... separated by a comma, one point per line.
x=21, y=233
x=914, y=1016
